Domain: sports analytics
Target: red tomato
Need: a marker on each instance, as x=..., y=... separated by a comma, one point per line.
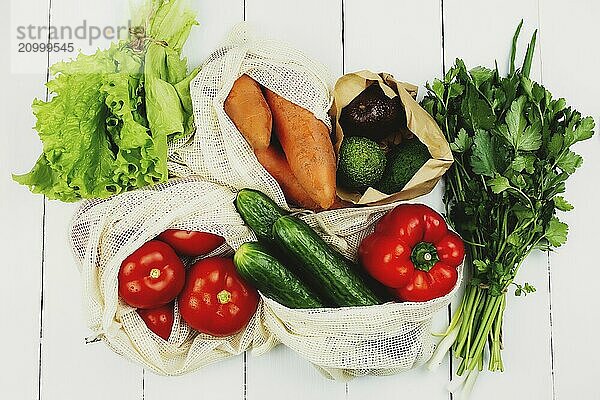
x=152, y=276
x=190, y=243
x=215, y=299
x=159, y=320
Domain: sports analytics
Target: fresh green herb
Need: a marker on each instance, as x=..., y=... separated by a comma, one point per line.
x=512, y=146
x=105, y=131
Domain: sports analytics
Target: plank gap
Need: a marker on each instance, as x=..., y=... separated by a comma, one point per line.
x=443, y=30
x=42, y=263
x=539, y=46
x=551, y=328
x=443, y=39
x=245, y=394
x=541, y=62
x=343, y=38
x=41, y=320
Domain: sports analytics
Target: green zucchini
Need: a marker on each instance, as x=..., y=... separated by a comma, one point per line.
x=258, y=211
x=335, y=275
x=256, y=265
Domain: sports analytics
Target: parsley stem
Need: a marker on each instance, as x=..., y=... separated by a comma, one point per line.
x=468, y=310
x=492, y=306
x=496, y=340
x=456, y=318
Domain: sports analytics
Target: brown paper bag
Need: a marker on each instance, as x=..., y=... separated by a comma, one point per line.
x=419, y=123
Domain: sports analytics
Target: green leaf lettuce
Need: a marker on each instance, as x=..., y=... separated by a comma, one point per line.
x=106, y=127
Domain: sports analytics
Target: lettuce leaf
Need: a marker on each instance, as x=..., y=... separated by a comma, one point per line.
x=106, y=128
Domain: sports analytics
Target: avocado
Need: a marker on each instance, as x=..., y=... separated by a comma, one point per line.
x=372, y=114
x=403, y=162
x=361, y=164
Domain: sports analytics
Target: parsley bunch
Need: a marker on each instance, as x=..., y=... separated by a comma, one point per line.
x=512, y=146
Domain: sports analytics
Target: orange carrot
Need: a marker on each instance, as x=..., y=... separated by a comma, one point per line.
x=307, y=146
x=274, y=161
x=247, y=108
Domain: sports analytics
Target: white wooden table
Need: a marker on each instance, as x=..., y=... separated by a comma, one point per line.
x=549, y=336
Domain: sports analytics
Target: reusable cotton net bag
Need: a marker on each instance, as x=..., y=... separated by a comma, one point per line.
x=341, y=342
x=104, y=233
x=217, y=151
x=353, y=341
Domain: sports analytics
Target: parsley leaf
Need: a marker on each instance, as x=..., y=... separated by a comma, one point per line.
x=562, y=204
x=517, y=131
x=481, y=75
x=569, y=161
x=477, y=111
x=482, y=159
x=584, y=130
x=499, y=184
x=462, y=142
x=556, y=232
x=523, y=162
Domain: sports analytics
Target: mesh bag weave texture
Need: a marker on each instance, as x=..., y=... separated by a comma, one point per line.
x=342, y=342
x=217, y=151
x=104, y=233
x=354, y=341
x=215, y=162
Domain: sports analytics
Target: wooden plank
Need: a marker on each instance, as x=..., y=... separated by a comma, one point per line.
x=314, y=27
x=69, y=367
x=399, y=37
x=390, y=36
x=221, y=381
x=216, y=19
x=21, y=212
x=481, y=33
x=570, y=64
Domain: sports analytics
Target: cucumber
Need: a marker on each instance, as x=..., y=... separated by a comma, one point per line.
x=256, y=265
x=338, y=281
x=258, y=211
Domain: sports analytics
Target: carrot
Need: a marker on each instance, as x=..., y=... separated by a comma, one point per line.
x=247, y=108
x=307, y=146
x=274, y=161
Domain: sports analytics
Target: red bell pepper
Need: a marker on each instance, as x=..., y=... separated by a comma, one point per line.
x=413, y=252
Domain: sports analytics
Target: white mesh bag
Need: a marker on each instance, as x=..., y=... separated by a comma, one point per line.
x=341, y=342
x=218, y=151
x=104, y=233
x=353, y=341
